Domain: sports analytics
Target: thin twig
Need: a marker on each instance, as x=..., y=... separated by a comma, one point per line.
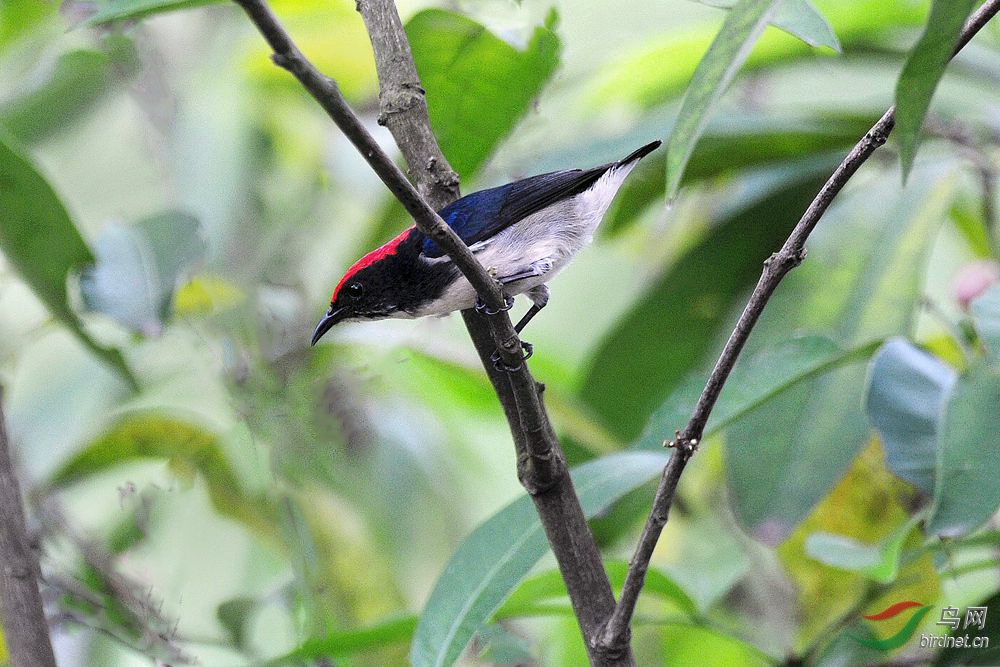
x=24, y=627
x=541, y=464
x=775, y=268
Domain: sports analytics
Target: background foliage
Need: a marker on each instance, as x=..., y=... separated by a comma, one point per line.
x=174, y=211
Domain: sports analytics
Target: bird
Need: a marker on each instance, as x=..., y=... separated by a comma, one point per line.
x=523, y=233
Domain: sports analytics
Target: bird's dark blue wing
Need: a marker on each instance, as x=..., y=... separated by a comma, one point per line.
x=482, y=214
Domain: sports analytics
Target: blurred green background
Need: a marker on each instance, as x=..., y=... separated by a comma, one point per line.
x=252, y=499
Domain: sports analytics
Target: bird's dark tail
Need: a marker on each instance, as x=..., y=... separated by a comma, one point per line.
x=640, y=153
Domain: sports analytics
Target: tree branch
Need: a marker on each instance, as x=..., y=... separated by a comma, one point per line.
x=541, y=464
x=25, y=629
x=403, y=107
x=791, y=254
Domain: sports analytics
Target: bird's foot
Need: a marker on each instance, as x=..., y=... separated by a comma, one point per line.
x=499, y=364
x=481, y=307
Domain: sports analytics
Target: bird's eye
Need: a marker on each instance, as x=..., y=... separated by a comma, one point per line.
x=355, y=290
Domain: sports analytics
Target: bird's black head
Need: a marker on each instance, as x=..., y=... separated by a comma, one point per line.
x=370, y=289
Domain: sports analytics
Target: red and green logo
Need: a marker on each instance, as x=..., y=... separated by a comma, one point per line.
x=904, y=633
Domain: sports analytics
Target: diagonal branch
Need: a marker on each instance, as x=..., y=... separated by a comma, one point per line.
x=791, y=254
x=541, y=464
x=21, y=615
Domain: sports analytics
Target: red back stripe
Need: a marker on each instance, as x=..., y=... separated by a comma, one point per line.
x=389, y=248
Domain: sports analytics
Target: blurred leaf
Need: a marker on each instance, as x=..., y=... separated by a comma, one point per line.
x=549, y=584
x=989, y=654
x=734, y=142
x=641, y=79
x=844, y=650
x=16, y=19
x=922, y=72
x=118, y=10
x=41, y=242
x=907, y=391
x=753, y=381
x=967, y=214
x=478, y=86
x=651, y=349
x=986, y=316
x=684, y=644
x=743, y=25
x=798, y=18
x=234, y=615
x=490, y=562
x=138, y=267
x=967, y=494
x=141, y=436
x=501, y=647
x=868, y=506
x=206, y=294
x=879, y=562
x=780, y=458
x=336, y=42
x=339, y=644
x=56, y=97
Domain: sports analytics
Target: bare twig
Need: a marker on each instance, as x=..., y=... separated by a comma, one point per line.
x=991, y=217
x=122, y=608
x=21, y=615
x=541, y=464
x=775, y=268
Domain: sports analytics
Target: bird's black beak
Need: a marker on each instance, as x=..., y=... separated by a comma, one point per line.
x=327, y=323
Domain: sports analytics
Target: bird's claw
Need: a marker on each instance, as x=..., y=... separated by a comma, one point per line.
x=499, y=364
x=482, y=307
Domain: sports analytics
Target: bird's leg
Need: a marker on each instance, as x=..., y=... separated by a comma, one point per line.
x=539, y=295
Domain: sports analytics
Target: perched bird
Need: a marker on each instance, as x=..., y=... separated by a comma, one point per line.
x=523, y=233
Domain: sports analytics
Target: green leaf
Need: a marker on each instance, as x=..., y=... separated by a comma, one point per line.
x=58, y=96
x=143, y=436
x=986, y=316
x=119, y=10
x=548, y=585
x=878, y=562
x=743, y=25
x=490, y=563
x=798, y=18
x=478, y=86
x=630, y=375
x=501, y=647
x=139, y=266
x=641, y=79
x=862, y=280
x=731, y=143
x=922, y=72
x=907, y=391
x=235, y=615
x=41, y=242
x=338, y=644
x=753, y=381
x=16, y=19
x=967, y=494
